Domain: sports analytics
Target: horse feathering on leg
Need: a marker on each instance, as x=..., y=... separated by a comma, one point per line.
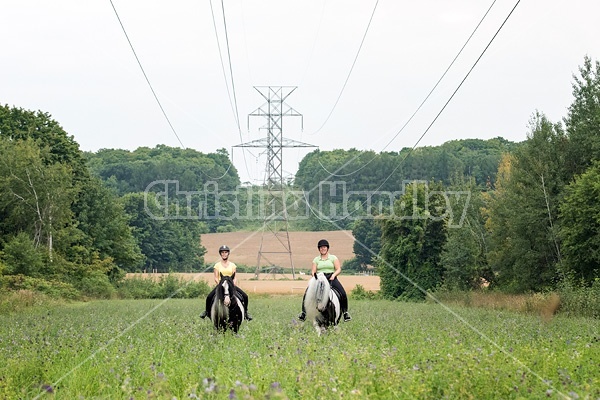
x=227, y=311
x=322, y=303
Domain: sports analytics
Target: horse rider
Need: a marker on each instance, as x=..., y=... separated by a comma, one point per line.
x=225, y=268
x=330, y=266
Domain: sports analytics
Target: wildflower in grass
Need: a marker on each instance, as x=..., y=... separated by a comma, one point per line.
x=232, y=394
x=209, y=385
x=47, y=388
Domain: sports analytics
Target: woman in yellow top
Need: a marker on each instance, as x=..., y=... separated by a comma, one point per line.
x=330, y=266
x=225, y=268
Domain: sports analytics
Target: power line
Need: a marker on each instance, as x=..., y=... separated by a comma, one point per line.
x=222, y=64
x=422, y=103
x=450, y=98
x=234, y=108
x=443, y=108
x=237, y=115
x=145, y=76
x=349, y=72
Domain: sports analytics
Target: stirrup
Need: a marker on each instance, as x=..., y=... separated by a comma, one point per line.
x=347, y=317
x=302, y=316
x=203, y=314
x=248, y=317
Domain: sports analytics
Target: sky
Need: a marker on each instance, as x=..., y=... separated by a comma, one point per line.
x=360, y=68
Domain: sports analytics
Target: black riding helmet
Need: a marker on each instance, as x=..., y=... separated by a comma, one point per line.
x=224, y=248
x=322, y=242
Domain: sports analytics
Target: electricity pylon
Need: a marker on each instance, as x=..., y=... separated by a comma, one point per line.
x=275, y=211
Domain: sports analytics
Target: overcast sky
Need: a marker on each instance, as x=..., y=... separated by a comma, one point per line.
x=72, y=59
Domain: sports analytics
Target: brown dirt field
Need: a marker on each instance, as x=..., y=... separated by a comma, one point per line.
x=276, y=284
x=245, y=245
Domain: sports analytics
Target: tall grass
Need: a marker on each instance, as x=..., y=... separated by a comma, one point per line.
x=123, y=349
x=569, y=300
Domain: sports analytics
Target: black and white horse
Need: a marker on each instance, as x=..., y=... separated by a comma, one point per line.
x=322, y=303
x=227, y=310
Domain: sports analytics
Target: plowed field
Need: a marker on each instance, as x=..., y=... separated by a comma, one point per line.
x=245, y=246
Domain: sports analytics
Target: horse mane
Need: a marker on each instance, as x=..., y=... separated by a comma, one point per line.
x=231, y=284
x=323, y=313
x=225, y=317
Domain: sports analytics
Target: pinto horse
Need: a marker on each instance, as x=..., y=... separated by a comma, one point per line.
x=322, y=303
x=227, y=310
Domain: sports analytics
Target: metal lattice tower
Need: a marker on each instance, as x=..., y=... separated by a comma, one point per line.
x=275, y=211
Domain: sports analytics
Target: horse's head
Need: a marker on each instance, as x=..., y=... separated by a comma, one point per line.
x=226, y=289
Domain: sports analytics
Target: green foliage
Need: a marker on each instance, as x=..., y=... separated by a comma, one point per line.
x=22, y=257
x=167, y=244
x=583, y=119
x=367, y=240
x=352, y=265
x=186, y=176
x=523, y=211
x=225, y=228
x=35, y=197
x=463, y=257
x=412, y=243
x=12, y=302
x=96, y=285
x=17, y=124
x=360, y=293
x=104, y=228
x=167, y=286
x=577, y=299
x=52, y=288
x=580, y=228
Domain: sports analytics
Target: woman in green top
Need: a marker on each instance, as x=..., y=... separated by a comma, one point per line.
x=330, y=266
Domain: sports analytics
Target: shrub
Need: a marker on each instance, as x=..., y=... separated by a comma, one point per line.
x=15, y=301
x=22, y=257
x=580, y=300
x=51, y=288
x=360, y=293
x=164, y=287
x=96, y=285
x=136, y=288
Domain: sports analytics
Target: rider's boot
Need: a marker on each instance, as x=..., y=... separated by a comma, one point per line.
x=347, y=317
x=248, y=316
x=302, y=316
x=203, y=314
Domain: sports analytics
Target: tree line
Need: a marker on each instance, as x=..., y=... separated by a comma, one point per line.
x=518, y=216
x=535, y=227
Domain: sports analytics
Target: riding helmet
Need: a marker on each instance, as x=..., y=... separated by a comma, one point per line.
x=322, y=242
x=224, y=248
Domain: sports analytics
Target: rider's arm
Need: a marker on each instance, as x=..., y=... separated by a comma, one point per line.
x=313, y=269
x=338, y=268
x=216, y=275
x=234, y=268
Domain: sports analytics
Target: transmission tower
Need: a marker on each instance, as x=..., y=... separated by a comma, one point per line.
x=275, y=211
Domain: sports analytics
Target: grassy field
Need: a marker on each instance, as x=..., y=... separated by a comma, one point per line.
x=390, y=350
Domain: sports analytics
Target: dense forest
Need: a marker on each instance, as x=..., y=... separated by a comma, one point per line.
x=521, y=217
